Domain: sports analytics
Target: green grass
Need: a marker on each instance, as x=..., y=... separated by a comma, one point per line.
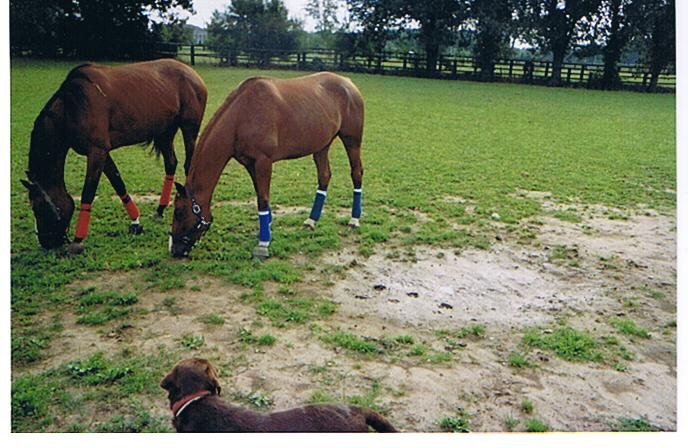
x=518, y=360
x=456, y=423
x=212, y=319
x=527, y=406
x=535, y=425
x=567, y=343
x=628, y=327
x=626, y=424
x=352, y=342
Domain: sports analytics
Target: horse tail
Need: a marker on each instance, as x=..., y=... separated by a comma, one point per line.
x=378, y=422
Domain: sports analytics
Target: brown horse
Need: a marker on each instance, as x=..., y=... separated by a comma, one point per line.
x=265, y=120
x=98, y=109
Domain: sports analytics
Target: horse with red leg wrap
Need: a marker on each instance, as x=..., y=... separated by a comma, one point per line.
x=98, y=109
x=261, y=122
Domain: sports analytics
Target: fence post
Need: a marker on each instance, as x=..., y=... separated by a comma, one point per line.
x=546, y=70
x=511, y=67
x=582, y=72
x=568, y=75
x=193, y=54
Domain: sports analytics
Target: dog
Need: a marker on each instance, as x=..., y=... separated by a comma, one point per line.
x=194, y=393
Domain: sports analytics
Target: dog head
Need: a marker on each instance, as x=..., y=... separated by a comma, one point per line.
x=190, y=376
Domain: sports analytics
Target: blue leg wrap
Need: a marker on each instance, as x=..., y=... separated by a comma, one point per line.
x=356, y=208
x=264, y=219
x=318, y=203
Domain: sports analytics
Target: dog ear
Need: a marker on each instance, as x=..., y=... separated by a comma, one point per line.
x=212, y=379
x=170, y=380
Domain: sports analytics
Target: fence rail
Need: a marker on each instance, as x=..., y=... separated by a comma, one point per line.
x=636, y=77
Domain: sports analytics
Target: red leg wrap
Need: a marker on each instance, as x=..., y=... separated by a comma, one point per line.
x=132, y=209
x=166, y=190
x=84, y=220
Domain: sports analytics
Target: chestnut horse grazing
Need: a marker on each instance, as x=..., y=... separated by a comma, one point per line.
x=265, y=120
x=98, y=109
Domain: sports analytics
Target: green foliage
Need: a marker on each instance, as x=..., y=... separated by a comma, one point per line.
x=535, y=425
x=97, y=370
x=458, y=423
x=518, y=360
x=96, y=308
x=191, y=341
x=352, y=342
x=566, y=342
x=628, y=327
x=252, y=24
x=527, y=406
x=626, y=424
x=212, y=319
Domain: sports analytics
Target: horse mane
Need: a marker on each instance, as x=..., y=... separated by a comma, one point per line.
x=221, y=110
x=73, y=97
x=67, y=91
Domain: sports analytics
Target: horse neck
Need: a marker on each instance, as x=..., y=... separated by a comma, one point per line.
x=47, y=154
x=212, y=154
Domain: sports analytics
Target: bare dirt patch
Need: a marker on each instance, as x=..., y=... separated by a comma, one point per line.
x=583, y=274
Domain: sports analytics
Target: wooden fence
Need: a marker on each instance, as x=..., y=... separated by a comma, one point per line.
x=636, y=77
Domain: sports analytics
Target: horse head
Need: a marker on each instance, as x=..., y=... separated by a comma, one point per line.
x=189, y=223
x=52, y=210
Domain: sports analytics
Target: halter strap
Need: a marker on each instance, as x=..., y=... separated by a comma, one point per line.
x=196, y=209
x=178, y=406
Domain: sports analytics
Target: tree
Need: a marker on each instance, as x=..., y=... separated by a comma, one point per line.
x=439, y=21
x=89, y=28
x=614, y=26
x=253, y=25
x=553, y=25
x=660, y=39
x=379, y=21
x=324, y=12
x=493, y=22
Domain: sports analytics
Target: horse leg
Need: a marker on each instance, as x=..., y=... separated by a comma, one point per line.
x=322, y=163
x=190, y=133
x=262, y=174
x=117, y=182
x=165, y=145
x=353, y=150
x=94, y=168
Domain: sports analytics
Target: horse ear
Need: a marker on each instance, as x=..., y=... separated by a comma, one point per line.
x=27, y=184
x=180, y=189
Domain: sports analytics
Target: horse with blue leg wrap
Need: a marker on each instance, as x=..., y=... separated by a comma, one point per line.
x=262, y=121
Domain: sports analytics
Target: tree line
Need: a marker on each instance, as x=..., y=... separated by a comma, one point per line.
x=613, y=31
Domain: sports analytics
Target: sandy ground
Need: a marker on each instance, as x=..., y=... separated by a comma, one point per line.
x=610, y=263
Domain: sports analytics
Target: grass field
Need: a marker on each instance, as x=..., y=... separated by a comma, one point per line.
x=444, y=162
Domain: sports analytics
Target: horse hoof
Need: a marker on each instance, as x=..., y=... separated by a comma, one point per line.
x=159, y=211
x=75, y=249
x=354, y=223
x=135, y=229
x=261, y=253
x=309, y=224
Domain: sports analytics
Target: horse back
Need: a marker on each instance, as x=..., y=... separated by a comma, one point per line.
x=133, y=103
x=298, y=116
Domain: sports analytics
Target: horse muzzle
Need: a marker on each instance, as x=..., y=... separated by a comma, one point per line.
x=180, y=246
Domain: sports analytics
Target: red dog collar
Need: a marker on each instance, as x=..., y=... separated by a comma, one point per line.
x=179, y=406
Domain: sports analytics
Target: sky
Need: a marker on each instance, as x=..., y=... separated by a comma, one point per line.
x=204, y=9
